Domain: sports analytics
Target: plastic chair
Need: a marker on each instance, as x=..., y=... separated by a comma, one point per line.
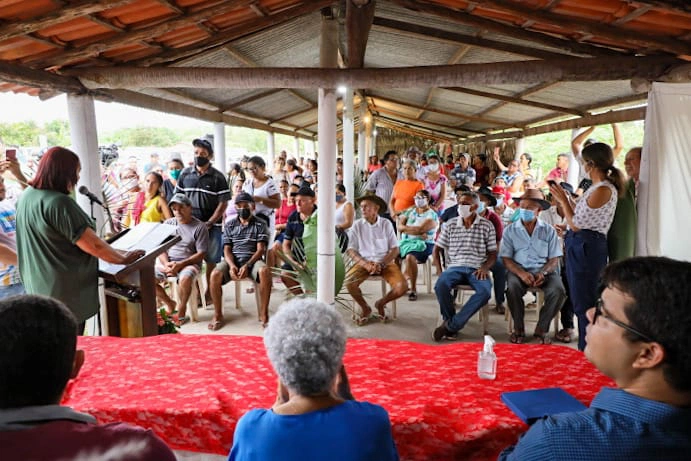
x=538, y=305
x=483, y=312
x=238, y=294
x=195, y=294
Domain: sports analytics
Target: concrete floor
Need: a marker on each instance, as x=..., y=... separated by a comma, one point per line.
x=415, y=320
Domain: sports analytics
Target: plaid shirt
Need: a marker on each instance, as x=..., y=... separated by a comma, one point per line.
x=467, y=247
x=9, y=274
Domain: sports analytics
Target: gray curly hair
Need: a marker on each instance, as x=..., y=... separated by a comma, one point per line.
x=305, y=342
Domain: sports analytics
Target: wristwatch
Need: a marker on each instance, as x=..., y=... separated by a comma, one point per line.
x=545, y=273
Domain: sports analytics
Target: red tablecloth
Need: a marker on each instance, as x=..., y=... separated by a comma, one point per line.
x=191, y=390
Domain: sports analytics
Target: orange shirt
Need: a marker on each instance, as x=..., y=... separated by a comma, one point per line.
x=403, y=195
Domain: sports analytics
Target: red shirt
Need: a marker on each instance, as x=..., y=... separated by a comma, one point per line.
x=284, y=211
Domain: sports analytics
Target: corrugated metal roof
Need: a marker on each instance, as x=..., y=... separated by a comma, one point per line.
x=44, y=35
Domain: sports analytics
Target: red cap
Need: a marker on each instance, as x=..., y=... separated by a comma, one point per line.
x=499, y=190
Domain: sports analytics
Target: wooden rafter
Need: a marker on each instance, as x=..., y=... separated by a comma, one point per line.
x=678, y=6
x=72, y=10
x=588, y=108
x=509, y=31
x=531, y=90
x=442, y=112
x=250, y=99
x=358, y=23
x=607, y=31
x=407, y=28
x=421, y=123
x=632, y=15
x=510, y=99
x=415, y=131
x=233, y=33
x=246, y=60
x=291, y=115
x=509, y=72
x=455, y=59
x=144, y=33
x=20, y=75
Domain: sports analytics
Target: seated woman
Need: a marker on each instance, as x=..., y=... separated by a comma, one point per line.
x=315, y=416
x=418, y=226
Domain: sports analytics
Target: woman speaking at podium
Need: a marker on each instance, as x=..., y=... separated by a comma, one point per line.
x=57, y=246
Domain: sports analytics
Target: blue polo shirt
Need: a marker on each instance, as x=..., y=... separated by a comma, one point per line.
x=617, y=426
x=531, y=252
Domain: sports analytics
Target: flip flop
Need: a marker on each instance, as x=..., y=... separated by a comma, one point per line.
x=362, y=321
x=564, y=336
x=184, y=320
x=216, y=325
x=517, y=338
x=543, y=339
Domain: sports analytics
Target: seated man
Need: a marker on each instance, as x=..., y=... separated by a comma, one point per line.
x=38, y=357
x=530, y=251
x=293, y=250
x=470, y=245
x=183, y=260
x=418, y=225
x=244, y=244
x=463, y=174
x=640, y=336
x=374, y=248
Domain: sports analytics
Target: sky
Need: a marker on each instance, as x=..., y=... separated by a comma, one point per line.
x=109, y=116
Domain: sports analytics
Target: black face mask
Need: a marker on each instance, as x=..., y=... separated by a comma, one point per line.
x=244, y=213
x=201, y=162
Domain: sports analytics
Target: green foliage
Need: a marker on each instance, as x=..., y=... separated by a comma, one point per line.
x=143, y=137
x=20, y=133
x=57, y=132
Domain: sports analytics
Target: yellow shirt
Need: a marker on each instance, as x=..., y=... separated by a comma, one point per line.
x=151, y=212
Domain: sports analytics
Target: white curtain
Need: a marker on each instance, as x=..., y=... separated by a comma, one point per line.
x=664, y=194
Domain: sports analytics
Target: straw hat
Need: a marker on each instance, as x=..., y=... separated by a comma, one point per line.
x=535, y=195
x=383, y=207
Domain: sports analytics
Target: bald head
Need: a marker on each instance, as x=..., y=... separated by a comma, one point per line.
x=632, y=162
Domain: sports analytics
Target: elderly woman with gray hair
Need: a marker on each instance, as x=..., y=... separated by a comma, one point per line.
x=315, y=417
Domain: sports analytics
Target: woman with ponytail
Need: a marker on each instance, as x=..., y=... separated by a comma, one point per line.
x=589, y=221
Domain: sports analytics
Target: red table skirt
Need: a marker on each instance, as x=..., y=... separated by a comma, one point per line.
x=192, y=389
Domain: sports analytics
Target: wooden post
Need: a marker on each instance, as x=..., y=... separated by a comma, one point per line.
x=348, y=144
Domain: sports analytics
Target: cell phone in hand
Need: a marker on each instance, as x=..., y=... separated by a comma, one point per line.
x=11, y=155
x=551, y=182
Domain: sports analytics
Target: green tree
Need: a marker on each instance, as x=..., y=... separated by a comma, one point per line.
x=57, y=132
x=21, y=134
x=143, y=137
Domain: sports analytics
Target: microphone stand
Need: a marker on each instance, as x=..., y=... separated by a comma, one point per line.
x=98, y=313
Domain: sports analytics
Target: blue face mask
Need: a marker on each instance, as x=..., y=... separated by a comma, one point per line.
x=527, y=215
x=339, y=197
x=481, y=207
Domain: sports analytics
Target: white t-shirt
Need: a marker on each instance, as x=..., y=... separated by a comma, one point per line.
x=372, y=241
x=266, y=190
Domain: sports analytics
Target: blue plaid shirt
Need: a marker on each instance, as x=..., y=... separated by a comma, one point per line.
x=617, y=426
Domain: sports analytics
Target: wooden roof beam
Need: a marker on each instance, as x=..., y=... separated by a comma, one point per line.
x=608, y=31
x=531, y=90
x=358, y=22
x=422, y=123
x=504, y=29
x=407, y=28
x=249, y=99
x=144, y=33
x=587, y=109
x=73, y=10
x=509, y=72
x=513, y=100
x=24, y=76
x=415, y=131
x=455, y=59
x=442, y=112
x=233, y=33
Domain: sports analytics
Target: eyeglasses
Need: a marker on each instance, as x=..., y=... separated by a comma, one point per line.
x=599, y=312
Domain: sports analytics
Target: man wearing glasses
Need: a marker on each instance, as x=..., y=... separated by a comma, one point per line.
x=640, y=336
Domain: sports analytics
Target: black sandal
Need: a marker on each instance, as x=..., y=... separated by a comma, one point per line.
x=412, y=296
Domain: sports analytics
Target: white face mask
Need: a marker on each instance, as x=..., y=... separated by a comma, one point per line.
x=420, y=202
x=500, y=200
x=433, y=167
x=464, y=211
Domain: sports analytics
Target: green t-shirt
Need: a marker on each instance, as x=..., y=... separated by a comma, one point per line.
x=49, y=223
x=621, y=238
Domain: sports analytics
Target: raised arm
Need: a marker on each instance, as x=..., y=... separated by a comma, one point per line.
x=577, y=142
x=618, y=140
x=497, y=159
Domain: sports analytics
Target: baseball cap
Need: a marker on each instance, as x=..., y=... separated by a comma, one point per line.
x=180, y=198
x=244, y=197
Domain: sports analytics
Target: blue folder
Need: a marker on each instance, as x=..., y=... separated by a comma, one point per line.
x=533, y=405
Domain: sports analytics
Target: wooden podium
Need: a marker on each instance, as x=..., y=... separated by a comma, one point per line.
x=131, y=290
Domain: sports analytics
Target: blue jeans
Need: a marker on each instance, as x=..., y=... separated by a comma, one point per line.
x=499, y=275
x=11, y=290
x=215, y=250
x=586, y=255
x=446, y=282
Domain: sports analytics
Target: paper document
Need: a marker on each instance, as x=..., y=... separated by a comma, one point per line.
x=144, y=236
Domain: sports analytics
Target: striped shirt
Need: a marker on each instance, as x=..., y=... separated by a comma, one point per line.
x=205, y=190
x=467, y=247
x=244, y=238
x=9, y=274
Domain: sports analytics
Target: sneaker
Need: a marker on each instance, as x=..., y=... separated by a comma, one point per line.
x=440, y=332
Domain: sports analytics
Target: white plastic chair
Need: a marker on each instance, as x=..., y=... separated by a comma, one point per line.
x=196, y=292
x=538, y=306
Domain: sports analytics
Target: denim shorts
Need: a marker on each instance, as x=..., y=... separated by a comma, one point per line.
x=215, y=250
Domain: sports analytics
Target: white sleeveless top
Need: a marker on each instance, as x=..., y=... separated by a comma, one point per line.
x=596, y=219
x=339, y=215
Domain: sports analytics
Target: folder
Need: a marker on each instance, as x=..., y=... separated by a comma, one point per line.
x=535, y=404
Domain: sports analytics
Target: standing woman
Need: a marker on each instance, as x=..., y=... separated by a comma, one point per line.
x=155, y=205
x=435, y=183
x=265, y=193
x=57, y=246
x=589, y=221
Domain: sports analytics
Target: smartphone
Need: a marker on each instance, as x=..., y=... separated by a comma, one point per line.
x=11, y=154
x=551, y=182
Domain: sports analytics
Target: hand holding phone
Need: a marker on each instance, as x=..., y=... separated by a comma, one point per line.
x=11, y=155
x=552, y=182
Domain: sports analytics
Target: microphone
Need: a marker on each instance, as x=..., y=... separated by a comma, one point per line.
x=85, y=191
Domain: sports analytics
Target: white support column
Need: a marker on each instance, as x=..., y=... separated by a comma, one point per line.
x=326, y=132
x=270, y=151
x=520, y=147
x=313, y=149
x=83, y=134
x=220, y=147
x=373, y=151
x=296, y=147
x=368, y=134
x=348, y=144
x=362, y=137
x=574, y=164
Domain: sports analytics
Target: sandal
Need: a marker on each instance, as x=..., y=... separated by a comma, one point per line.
x=216, y=325
x=517, y=338
x=543, y=339
x=184, y=320
x=361, y=320
x=565, y=335
x=412, y=296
